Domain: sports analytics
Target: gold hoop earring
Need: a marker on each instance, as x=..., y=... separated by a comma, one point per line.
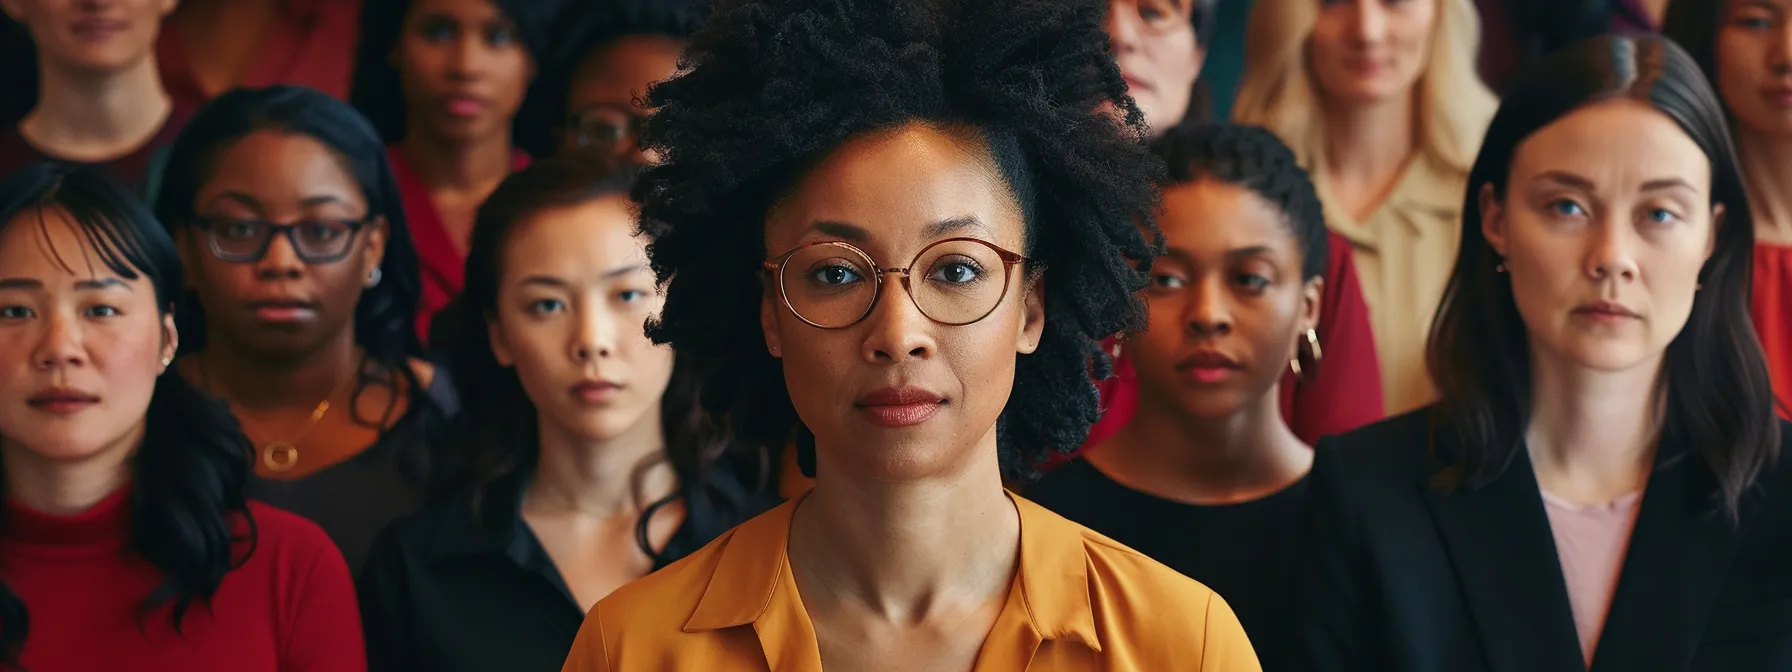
x=1294, y=365
x=1317, y=352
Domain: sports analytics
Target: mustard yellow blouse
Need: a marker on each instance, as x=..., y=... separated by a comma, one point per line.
x=1080, y=601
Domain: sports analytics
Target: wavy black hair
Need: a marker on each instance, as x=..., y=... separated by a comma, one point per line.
x=594, y=25
x=189, y=519
x=385, y=315
x=499, y=436
x=1718, y=395
x=775, y=85
x=1253, y=158
x=376, y=90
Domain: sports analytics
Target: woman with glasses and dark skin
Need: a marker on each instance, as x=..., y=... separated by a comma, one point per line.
x=622, y=48
x=1601, y=485
x=1745, y=49
x=303, y=288
x=1208, y=455
x=126, y=541
x=447, y=84
x=588, y=464
x=898, y=231
x=1160, y=46
x=84, y=77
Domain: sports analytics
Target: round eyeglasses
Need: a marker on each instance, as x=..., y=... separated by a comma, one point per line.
x=833, y=285
x=315, y=241
x=605, y=128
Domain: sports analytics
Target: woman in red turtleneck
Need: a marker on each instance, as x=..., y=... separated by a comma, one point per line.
x=125, y=541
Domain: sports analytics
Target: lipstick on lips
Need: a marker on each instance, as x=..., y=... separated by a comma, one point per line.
x=595, y=391
x=1208, y=366
x=899, y=406
x=62, y=401
x=1605, y=312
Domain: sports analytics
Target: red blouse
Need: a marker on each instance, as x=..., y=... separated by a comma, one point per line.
x=1772, y=311
x=312, y=44
x=1346, y=393
x=444, y=268
x=290, y=607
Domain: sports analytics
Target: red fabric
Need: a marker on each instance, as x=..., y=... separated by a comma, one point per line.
x=290, y=607
x=129, y=170
x=312, y=44
x=444, y=269
x=1772, y=312
x=1345, y=395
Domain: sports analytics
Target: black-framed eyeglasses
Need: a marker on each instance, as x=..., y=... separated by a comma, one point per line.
x=608, y=128
x=833, y=285
x=315, y=241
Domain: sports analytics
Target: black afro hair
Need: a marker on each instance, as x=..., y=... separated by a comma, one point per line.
x=1252, y=158
x=775, y=85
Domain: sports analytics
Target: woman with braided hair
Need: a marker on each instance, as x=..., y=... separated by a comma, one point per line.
x=1208, y=454
x=897, y=232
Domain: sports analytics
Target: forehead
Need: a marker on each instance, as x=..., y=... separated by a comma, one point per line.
x=273, y=166
x=465, y=10
x=48, y=246
x=1617, y=144
x=622, y=69
x=1208, y=214
x=588, y=238
x=896, y=185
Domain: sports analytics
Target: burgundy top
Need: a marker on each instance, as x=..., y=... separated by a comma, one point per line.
x=311, y=44
x=130, y=169
x=1772, y=312
x=290, y=607
x=1346, y=393
x=443, y=265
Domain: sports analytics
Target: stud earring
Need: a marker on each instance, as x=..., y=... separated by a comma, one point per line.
x=373, y=279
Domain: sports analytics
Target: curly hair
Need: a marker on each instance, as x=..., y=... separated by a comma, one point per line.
x=775, y=85
x=1253, y=158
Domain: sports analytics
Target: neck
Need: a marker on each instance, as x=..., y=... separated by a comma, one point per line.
x=62, y=487
x=258, y=381
x=447, y=164
x=617, y=476
x=1767, y=168
x=1368, y=145
x=1593, y=434
x=904, y=549
x=97, y=113
x=1241, y=457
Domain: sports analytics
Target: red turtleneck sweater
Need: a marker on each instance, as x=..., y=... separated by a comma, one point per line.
x=289, y=607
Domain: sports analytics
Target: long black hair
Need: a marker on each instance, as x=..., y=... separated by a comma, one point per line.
x=377, y=92
x=499, y=436
x=385, y=315
x=188, y=515
x=775, y=85
x=1718, y=395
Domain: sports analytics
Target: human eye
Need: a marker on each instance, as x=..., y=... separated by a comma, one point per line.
x=958, y=271
x=1566, y=207
x=545, y=306
x=239, y=229
x=16, y=313
x=102, y=310
x=1251, y=281
x=835, y=274
x=437, y=29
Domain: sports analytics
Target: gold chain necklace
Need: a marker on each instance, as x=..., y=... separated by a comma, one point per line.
x=278, y=456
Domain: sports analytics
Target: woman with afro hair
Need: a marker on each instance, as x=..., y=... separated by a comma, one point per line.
x=897, y=232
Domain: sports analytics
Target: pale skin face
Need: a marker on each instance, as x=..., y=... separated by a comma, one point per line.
x=91, y=36
x=1228, y=307
x=1369, y=51
x=890, y=194
x=1605, y=226
x=1754, y=66
x=1154, y=44
x=80, y=348
x=574, y=296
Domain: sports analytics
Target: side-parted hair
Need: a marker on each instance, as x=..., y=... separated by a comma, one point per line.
x=1693, y=24
x=189, y=519
x=386, y=313
x=1717, y=392
x=1252, y=158
x=1278, y=90
x=499, y=436
x=774, y=86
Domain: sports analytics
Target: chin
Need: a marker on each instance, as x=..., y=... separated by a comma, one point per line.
x=74, y=445
x=1609, y=356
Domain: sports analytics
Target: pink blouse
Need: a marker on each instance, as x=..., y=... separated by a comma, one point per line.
x=1590, y=542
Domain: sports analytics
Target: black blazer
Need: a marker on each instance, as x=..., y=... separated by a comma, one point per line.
x=1407, y=577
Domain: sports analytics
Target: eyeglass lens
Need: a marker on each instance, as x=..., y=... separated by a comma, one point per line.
x=315, y=241
x=953, y=282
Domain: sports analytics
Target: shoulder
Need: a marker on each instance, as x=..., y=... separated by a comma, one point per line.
x=1398, y=445
x=294, y=550
x=648, y=616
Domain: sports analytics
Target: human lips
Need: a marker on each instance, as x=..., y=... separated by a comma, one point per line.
x=899, y=406
x=62, y=400
x=593, y=391
x=1208, y=366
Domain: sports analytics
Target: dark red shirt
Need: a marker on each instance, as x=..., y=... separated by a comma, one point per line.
x=289, y=608
x=312, y=44
x=444, y=267
x=130, y=169
x=1346, y=393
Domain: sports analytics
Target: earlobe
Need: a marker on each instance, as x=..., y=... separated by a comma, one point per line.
x=170, y=339
x=1493, y=223
x=1718, y=216
x=500, y=347
x=768, y=323
x=1312, y=298
x=1032, y=327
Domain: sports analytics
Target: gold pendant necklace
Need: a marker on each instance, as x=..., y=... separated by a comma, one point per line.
x=278, y=456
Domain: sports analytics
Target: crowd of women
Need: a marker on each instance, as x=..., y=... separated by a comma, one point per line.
x=942, y=335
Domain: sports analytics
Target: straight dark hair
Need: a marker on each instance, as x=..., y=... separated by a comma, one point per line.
x=189, y=519
x=385, y=315
x=498, y=437
x=1718, y=396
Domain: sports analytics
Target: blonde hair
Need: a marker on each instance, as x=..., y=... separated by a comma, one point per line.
x=1278, y=91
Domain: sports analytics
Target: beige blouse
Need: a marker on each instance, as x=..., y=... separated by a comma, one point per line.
x=1404, y=254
